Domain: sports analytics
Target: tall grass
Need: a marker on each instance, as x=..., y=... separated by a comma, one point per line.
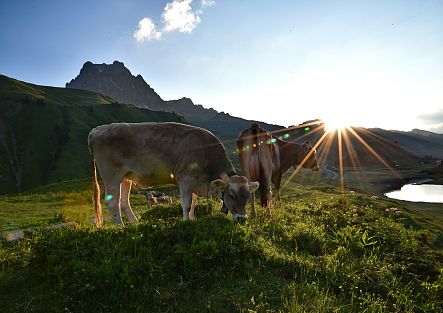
x=319, y=252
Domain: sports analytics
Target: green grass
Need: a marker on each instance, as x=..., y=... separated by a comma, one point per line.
x=322, y=251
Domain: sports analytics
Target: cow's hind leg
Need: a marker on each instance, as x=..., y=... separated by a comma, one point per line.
x=112, y=199
x=124, y=201
x=192, y=211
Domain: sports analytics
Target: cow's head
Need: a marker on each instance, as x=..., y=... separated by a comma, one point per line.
x=310, y=154
x=235, y=192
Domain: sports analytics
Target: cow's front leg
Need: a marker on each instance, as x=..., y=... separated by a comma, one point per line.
x=277, y=187
x=124, y=201
x=112, y=200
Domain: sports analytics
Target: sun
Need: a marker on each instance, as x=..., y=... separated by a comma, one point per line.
x=336, y=122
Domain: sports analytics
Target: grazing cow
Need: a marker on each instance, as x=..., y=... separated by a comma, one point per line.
x=256, y=159
x=163, y=153
x=292, y=154
x=152, y=200
x=155, y=197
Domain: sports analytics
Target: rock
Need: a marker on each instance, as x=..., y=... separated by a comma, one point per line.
x=14, y=235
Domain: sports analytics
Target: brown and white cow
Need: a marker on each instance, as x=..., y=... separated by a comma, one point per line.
x=256, y=159
x=292, y=154
x=163, y=153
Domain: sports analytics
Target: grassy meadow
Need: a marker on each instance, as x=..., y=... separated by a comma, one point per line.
x=322, y=251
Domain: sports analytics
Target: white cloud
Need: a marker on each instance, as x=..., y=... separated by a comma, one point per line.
x=177, y=15
x=207, y=3
x=146, y=30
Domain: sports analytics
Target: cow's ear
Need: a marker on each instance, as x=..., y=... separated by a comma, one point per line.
x=253, y=186
x=217, y=186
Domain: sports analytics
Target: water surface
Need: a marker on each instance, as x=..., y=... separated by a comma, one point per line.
x=418, y=193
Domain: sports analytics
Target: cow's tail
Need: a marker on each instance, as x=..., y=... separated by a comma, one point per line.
x=96, y=196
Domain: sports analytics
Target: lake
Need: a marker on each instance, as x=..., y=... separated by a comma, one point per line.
x=418, y=193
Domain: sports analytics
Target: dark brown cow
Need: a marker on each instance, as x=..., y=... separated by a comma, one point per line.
x=291, y=154
x=256, y=152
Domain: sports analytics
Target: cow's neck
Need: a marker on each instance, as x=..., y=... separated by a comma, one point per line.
x=297, y=153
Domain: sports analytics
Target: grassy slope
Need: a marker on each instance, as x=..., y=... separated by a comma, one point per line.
x=45, y=130
x=320, y=252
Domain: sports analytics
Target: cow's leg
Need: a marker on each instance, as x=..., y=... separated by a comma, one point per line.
x=192, y=211
x=112, y=199
x=185, y=199
x=251, y=203
x=277, y=186
x=265, y=194
x=124, y=201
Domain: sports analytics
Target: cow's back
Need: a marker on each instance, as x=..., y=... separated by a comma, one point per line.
x=255, y=152
x=157, y=153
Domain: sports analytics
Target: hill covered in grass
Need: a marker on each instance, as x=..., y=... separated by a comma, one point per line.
x=322, y=251
x=43, y=131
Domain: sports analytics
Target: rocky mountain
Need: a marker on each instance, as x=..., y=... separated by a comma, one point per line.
x=116, y=81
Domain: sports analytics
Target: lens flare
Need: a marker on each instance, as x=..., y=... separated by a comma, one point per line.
x=336, y=122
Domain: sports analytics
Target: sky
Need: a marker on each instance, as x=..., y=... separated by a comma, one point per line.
x=365, y=63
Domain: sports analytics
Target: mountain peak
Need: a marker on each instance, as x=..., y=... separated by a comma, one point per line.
x=116, y=81
x=118, y=63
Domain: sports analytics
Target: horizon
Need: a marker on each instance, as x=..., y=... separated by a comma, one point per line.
x=369, y=64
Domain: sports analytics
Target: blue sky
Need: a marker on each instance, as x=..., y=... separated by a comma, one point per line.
x=369, y=63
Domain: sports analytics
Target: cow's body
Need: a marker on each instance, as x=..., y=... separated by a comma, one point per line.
x=151, y=154
x=291, y=154
x=256, y=159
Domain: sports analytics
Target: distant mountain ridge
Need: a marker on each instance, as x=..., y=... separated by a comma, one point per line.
x=116, y=81
x=417, y=141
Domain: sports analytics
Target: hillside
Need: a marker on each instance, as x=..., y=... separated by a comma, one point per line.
x=322, y=251
x=116, y=81
x=43, y=131
x=417, y=141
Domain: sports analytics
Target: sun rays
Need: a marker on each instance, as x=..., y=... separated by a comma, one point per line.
x=347, y=141
x=343, y=134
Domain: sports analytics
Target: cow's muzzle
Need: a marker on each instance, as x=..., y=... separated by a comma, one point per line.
x=224, y=209
x=239, y=218
x=315, y=168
